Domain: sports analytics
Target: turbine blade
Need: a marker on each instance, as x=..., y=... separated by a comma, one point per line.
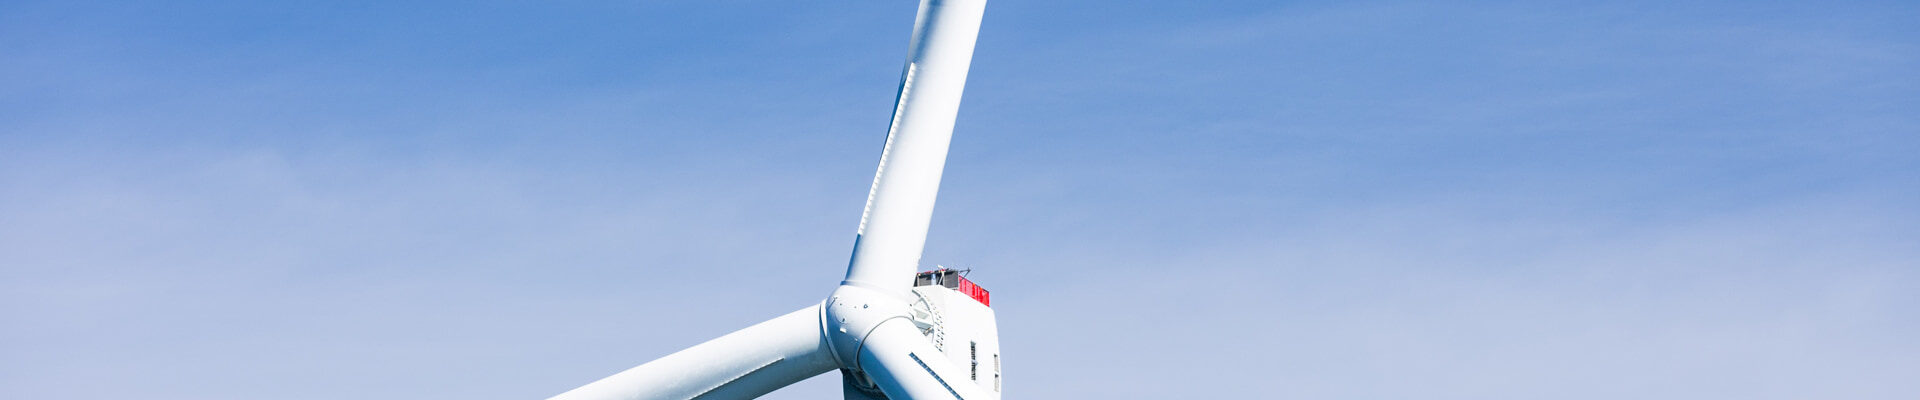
x=893, y=228
x=741, y=365
x=906, y=366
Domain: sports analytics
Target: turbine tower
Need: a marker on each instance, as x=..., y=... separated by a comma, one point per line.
x=892, y=333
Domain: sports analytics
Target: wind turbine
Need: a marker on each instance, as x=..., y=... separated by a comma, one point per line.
x=892, y=333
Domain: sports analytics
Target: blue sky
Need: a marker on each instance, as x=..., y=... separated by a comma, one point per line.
x=1353, y=200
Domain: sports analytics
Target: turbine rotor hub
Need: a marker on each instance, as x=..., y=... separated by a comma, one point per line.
x=851, y=313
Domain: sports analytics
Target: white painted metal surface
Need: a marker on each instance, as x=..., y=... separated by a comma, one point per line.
x=865, y=328
x=906, y=366
x=893, y=229
x=971, y=336
x=741, y=365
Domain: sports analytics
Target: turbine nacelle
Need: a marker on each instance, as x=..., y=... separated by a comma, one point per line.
x=880, y=343
x=957, y=323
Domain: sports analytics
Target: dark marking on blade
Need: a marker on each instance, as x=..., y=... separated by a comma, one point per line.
x=936, y=377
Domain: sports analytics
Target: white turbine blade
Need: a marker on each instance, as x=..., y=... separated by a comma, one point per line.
x=741, y=365
x=893, y=229
x=906, y=366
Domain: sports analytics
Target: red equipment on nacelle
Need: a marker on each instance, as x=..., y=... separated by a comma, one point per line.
x=952, y=279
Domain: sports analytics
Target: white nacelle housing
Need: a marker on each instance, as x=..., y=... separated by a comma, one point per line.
x=954, y=314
